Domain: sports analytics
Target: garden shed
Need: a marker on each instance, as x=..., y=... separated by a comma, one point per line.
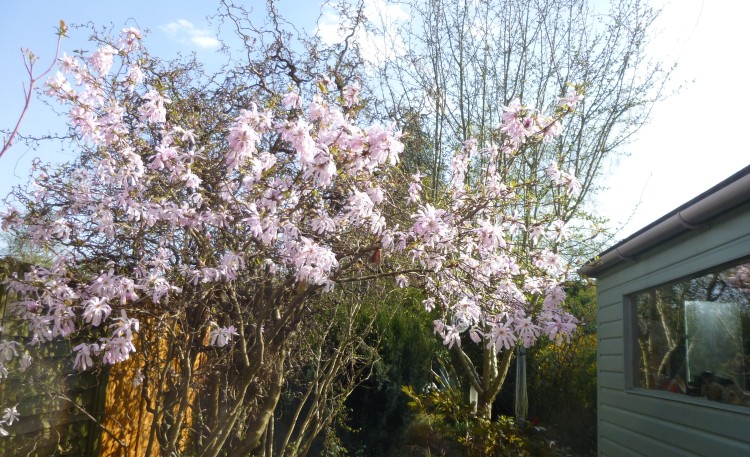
x=674, y=331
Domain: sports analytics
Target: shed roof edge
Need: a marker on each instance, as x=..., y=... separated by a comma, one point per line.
x=696, y=213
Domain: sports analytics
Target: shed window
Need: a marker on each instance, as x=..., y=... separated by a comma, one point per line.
x=693, y=336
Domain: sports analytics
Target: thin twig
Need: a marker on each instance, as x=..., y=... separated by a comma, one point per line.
x=29, y=60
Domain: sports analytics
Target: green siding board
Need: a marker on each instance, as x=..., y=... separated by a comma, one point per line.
x=611, y=329
x=611, y=363
x=609, y=314
x=606, y=300
x=610, y=346
x=608, y=448
x=696, y=440
x=612, y=380
x=691, y=414
x=610, y=298
x=643, y=445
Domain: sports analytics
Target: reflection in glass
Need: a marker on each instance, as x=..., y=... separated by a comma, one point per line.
x=693, y=336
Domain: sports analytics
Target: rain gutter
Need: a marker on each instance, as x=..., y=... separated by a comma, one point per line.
x=693, y=215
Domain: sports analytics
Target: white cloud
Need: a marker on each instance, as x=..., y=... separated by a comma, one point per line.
x=183, y=31
x=379, y=43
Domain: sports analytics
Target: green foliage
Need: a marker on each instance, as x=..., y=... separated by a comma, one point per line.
x=20, y=248
x=503, y=437
x=562, y=392
x=447, y=425
x=332, y=446
x=378, y=410
x=562, y=378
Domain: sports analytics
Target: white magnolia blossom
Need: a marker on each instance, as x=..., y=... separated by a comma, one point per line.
x=221, y=336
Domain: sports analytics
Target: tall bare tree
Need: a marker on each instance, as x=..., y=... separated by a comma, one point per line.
x=463, y=61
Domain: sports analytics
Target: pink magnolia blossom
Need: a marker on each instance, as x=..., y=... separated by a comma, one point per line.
x=96, y=311
x=351, y=95
x=490, y=236
x=25, y=362
x=560, y=328
x=154, y=109
x=138, y=378
x=501, y=337
x=192, y=181
x=242, y=143
x=571, y=99
x=515, y=123
x=10, y=415
x=554, y=297
x=130, y=38
x=527, y=330
x=58, y=86
x=429, y=224
x=83, y=360
x=322, y=223
x=292, y=100
x=451, y=336
x=415, y=188
x=103, y=59
x=135, y=77
x=8, y=350
x=116, y=349
x=125, y=326
x=221, y=336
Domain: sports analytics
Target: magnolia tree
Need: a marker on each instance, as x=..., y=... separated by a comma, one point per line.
x=457, y=65
x=199, y=228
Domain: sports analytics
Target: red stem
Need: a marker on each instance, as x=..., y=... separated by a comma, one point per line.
x=32, y=81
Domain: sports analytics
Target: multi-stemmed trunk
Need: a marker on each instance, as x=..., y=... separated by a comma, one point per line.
x=489, y=382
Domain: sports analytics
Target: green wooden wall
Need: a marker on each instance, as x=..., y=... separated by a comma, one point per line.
x=636, y=422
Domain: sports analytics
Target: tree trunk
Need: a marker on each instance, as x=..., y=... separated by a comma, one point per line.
x=489, y=383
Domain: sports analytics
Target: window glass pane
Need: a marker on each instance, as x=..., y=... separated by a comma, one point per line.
x=693, y=336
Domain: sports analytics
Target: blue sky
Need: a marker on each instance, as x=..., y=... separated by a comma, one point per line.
x=175, y=27
x=693, y=142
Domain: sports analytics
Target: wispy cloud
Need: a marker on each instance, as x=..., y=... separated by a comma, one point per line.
x=183, y=31
x=377, y=44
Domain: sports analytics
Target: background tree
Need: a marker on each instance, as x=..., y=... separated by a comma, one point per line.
x=20, y=248
x=379, y=416
x=464, y=61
